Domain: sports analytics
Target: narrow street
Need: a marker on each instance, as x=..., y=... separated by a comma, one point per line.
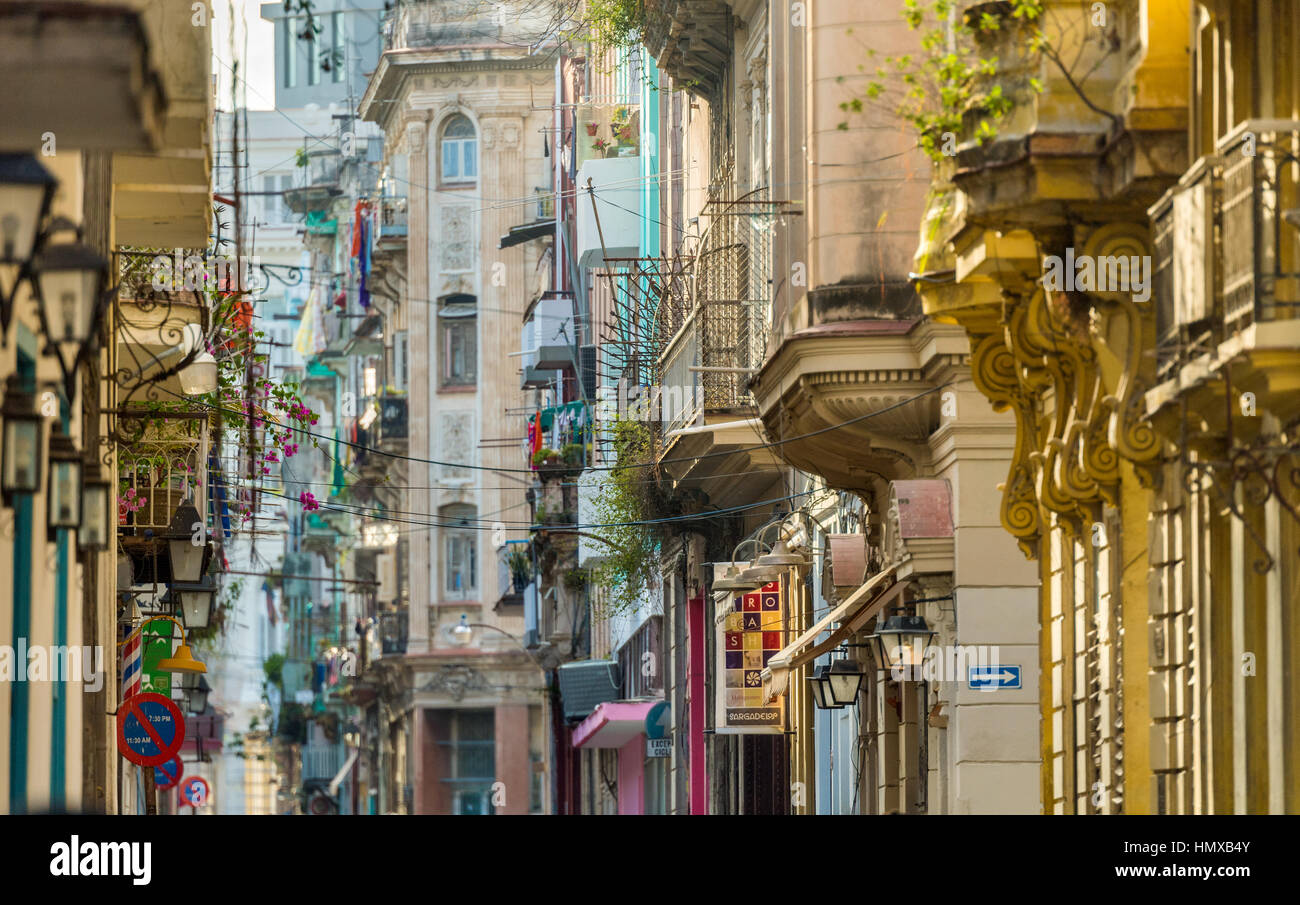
x=651, y=407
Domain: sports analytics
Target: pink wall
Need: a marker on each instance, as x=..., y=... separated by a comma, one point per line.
x=699, y=780
x=631, y=777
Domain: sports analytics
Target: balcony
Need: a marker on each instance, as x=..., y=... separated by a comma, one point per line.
x=1227, y=275
x=321, y=762
x=392, y=221
x=613, y=228
x=394, y=632
x=126, y=76
x=717, y=340
x=690, y=39
x=319, y=179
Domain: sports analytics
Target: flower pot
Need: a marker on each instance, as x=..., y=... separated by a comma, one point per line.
x=592, y=129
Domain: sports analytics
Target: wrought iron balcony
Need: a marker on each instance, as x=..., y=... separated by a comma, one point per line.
x=394, y=631
x=718, y=331
x=392, y=219
x=321, y=762
x=1227, y=243
x=319, y=179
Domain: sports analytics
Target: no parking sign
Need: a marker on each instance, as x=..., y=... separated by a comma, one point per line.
x=150, y=729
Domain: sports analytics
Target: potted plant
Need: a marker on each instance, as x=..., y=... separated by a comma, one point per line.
x=592, y=129
x=521, y=567
x=545, y=456
x=573, y=454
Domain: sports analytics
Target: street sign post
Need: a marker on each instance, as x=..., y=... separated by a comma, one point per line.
x=994, y=677
x=150, y=729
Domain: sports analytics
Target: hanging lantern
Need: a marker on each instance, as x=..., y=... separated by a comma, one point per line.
x=63, y=499
x=20, y=471
x=96, y=508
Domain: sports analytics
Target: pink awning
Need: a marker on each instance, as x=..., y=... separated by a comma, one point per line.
x=612, y=724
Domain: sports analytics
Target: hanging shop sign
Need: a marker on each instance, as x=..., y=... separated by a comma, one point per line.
x=751, y=630
x=150, y=729
x=157, y=644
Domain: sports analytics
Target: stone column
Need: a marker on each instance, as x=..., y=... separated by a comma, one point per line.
x=418, y=311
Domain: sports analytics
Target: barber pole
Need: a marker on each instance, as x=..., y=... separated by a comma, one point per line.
x=132, y=666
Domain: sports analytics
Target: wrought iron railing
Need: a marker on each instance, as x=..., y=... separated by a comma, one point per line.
x=394, y=631
x=1227, y=242
x=722, y=338
x=158, y=471
x=392, y=216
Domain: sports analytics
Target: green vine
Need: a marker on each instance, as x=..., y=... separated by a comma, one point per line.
x=628, y=495
x=954, y=86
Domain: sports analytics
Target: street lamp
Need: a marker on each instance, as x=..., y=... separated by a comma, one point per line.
x=185, y=543
x=200, y=375
x=821, y=689
x=183, y=660
x=462, y=633
x=196, y=690
x=20, y=471
x=93, y=532
x=844, y=679
x=732, y=580
x=780, y=556
x=758, y=575
x=63, y=500
x=901, y=641
x=196, y=598
x=26, y=190
x=70, y=279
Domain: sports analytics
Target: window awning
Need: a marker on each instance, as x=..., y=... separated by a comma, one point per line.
x=852, y=615
x=612, y=724
x=518, y=235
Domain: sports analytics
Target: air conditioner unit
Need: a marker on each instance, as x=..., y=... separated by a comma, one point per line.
x=586, y=684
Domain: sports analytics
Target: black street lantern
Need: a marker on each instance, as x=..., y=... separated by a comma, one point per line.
x=20, y=468
x=195, y=599
x=96, y=506
x=821, y=689
x=194, y=691
x=844, y=679
x=63, y=501
x=901, y=641
x=185, y=543
x=26, y=190
x=70, y=279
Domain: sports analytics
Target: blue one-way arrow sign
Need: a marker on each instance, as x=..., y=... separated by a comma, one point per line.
x=994, y=677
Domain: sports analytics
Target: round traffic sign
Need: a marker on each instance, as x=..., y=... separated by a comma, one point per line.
x=168, y=775
x=150, y=729
x=656, y=721
x=194, y=791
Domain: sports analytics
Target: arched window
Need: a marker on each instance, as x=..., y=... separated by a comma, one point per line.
x=459, y=151
x=460, y=551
